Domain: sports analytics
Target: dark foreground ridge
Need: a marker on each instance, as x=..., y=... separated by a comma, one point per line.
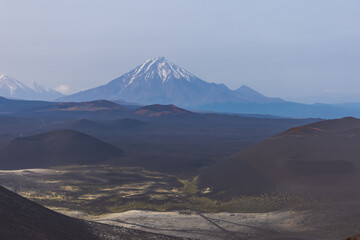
x=22, y=219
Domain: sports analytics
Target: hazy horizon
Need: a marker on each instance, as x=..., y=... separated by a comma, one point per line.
x=279, y=48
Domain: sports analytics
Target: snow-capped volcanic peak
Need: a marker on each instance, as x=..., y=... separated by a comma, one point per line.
x=158, y=81
x=11, y=84
x=12, y=88
x=160, y=67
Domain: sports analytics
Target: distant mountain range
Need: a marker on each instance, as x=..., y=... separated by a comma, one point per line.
x=158, y=81
x=162, y=82
x=12, y=88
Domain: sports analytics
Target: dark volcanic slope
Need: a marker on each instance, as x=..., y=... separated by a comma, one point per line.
x=158, y=110
x=21, y=219
x=81, y=125
x=126, y=123
x=96, y=128
x=98, y=105
x=354, y=238
x=319, y=158
x=55, y=148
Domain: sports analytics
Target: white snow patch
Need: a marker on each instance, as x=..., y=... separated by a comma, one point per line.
x=64, y=89
x=159, y=66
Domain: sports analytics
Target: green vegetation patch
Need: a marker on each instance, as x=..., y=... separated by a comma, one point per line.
x=190, y=186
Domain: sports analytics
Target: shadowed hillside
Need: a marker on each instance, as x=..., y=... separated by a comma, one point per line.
x=125, y=123
x=354, y=238
x=22, y=219
x=55, y=148
x=96, y=128
x=320, y=159
x=157, y=110
x=98, y=105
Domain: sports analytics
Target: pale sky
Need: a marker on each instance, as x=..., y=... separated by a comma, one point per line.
x=297, y=50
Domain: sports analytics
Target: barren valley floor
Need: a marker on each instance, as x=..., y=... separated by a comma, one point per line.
x=174, y=206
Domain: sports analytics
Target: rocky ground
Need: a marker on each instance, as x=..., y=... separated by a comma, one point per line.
x=111, y=232
x=213, y=226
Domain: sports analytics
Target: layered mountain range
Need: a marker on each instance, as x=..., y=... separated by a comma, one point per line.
x=158, y=81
